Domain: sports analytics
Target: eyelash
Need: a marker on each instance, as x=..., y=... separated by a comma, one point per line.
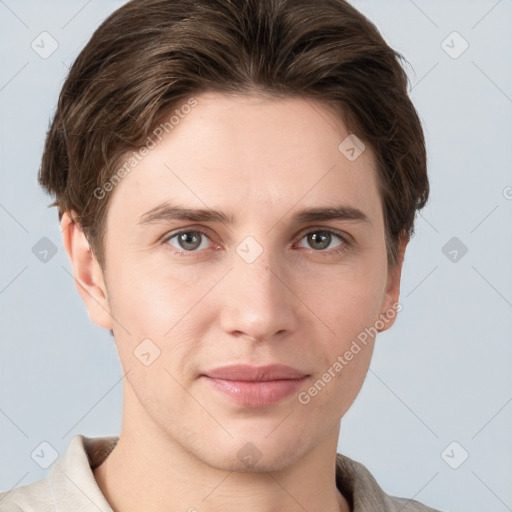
x=188, y=254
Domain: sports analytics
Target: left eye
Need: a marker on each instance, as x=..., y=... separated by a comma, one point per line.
x=321, y=239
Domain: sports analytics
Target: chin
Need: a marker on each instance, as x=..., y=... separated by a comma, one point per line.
x=255, y=456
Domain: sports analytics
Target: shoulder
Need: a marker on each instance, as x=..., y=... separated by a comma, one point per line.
x=406, y=505
x=70, y=484
x=33, y=497
x=355, y=481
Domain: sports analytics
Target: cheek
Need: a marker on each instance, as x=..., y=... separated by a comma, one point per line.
x=347, y=300
x=349, y=308
x=333, y=391
x=151, y=297
x=169, y=307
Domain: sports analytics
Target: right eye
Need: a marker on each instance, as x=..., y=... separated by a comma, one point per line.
x=187, y=241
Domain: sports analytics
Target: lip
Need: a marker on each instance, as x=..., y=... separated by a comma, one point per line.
x=249, y=373
x=255, y=386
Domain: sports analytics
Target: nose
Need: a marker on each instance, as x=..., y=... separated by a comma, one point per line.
x=258, y=300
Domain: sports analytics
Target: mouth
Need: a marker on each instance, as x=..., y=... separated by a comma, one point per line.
x=255, y=386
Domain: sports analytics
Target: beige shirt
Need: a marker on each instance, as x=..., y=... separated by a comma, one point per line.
x=71, y=487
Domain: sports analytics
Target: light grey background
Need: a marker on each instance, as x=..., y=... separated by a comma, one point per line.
x=441, y=374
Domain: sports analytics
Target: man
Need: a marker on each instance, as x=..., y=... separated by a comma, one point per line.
x=236, y=184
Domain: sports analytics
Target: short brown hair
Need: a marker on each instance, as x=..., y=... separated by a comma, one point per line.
x=149, y=56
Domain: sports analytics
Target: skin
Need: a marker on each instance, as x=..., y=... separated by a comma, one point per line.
x=299, y=303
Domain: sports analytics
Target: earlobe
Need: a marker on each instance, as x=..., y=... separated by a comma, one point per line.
x=86, y=272
x=391, y=304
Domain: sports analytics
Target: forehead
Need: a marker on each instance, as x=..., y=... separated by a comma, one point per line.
x=249, y=153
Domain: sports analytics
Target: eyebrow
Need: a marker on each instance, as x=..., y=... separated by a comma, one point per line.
x=168, y=212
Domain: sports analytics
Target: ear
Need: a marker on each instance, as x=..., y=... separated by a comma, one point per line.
x=390, y=303
x=86, y=272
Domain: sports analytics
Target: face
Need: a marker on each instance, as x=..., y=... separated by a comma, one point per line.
x=284, y=265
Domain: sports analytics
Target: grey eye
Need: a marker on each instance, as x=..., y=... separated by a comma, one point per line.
x=188, y=240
